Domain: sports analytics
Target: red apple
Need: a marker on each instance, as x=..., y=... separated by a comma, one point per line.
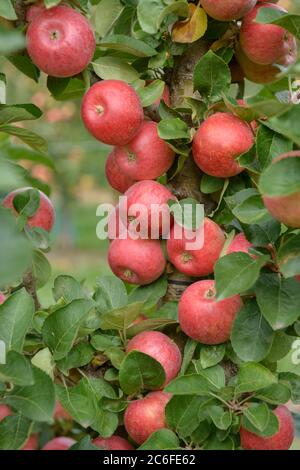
x=282, y=440
x=4, y=412
x=32, y=443
x=254, y=72
x=160, y=347
x=286, y=209
x=60, y=41
x=60, y=413
x=112, y=443
x=116, y=178
x=239, y=244
x=219, y=141
x=2, y=298
x=205, y=319
x=33, y=11
x=112, y=112
x=196, y=262
x=227, y=10
x=147, y=156
x=145, y=416
x=267, y=43
x=147, y=208
x=136, y=261
x=59, y=443
x=45, y=215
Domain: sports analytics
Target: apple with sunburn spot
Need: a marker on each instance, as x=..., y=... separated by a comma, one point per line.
x=112, y=112
x=60, y=41
x=217, y=143
x=161, y=348
x=112, y=443
x=116, y=178
x=205, y=319
x=145, y=416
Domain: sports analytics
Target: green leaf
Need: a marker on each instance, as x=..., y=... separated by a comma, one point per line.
x=287, y=124
x=211, y=355
x=127, y=44
x=14, y=432
x=105, y=15
x=281, y=178
x=287, y=21
x=252, y=377
x=151, y=93
x=121, y=318
x=252, y=211
x=41, y=269
x=269, y=145
x=103, y=342
x=11, y=41
x=189, y=350
x=187, y=213
x=16, y=370
x=212, y=77
x=163, y=439
x=222, y=419
x=272, y=426
x=84, y=444
x=275, y=394
x=149, y=324
x=211, y=184
x=278, y=300
x=258, y=415
x=236, y=273
x=114, y=68
x=66, y=88
x=37, y=401
x=18, y=112
x=67, y=288
x=193, y=384
x=116, y=356
x=16, y=315
x=150, y=294
x=148, y=12
x=183, y=414
x=251, y=336
x=43, y=360
x=28, y=137
x=60, y=329
x=214, y=443
x=110, y=294
x=288, y=256
x=291, y=362
x=139, y=371
x=25, y=65
x=7, y=10
x=79, y=356
x=173, y=128
x=215, y=375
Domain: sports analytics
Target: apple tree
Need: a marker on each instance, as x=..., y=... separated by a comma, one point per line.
x=180, y=348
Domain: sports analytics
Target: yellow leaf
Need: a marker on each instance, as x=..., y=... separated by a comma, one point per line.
x=193, y=28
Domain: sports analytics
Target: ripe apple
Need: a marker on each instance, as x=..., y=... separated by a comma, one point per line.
x=60, y=41
x=160, y=347
x=4, y=412
x=205, y=319
x=33, y=11
x=286, y=209
x=59, y=443
x=219, y=141
x=239, y=244
x=116, y=178
x=227, y=10
x=153, y=214
x=254, y=72
x=112, y=443
x=136, y=261
x=147, y=156
x=32, y=443
x=145, y=416
x=60, y=413
x=196, y=262
x=267, y=43
x=112, y=112
x=45, y=215
x=2, y=298
x=282, y=440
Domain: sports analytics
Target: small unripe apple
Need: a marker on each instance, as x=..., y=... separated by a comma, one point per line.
x=196, y=261
x=112, y=443
x=45, y=215
x=239, y=244
x=147, y=156
x=115, y=176
x=255, y=72
x=227, y=10
x=60, y=41
x=205, y=319
x=59, y=443
x=267, y=43
x=60, y=413
x=33, y=11
x=160, y=347
x=282, y=440
x=286, y=209
x=32, y=443
x=145, y=416
x=112, y=112
x=2, y=298
x=219, y=141
x=136, y=261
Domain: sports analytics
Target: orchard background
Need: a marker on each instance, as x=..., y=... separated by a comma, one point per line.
x=66, y=320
